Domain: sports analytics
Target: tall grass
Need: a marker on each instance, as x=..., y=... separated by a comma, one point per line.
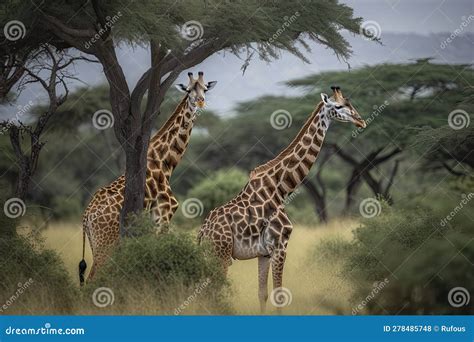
x=316, y=285
x=33, y=278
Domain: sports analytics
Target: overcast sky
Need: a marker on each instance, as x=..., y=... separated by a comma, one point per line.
x=420, y=16
x=406, y=29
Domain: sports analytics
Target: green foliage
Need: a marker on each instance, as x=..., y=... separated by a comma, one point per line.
x=301, y=211
x=332, y=249
x=33, y=278
x=418, y=94
x=171, y=266
x=140, y=224
x=409, y=80
x=71, y=171
x=236, y=23
x=422, y=256
x=79, y=108
x=218, y=188
x=446, y=148
x=66, y=208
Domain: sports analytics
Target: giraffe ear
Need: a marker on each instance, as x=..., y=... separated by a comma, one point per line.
x=181, y=87
x=210, y=85
x=325, y=98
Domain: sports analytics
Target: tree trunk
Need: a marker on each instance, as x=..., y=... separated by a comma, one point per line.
x=135, y=178
x=352, y=188
x=319, y=201
x=24, y=179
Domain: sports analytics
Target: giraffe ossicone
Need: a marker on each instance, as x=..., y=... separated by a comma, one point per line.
x=254, y=224
x=101, y=219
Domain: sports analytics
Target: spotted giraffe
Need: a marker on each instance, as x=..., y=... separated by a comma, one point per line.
x=166, y=148
x=254, y=224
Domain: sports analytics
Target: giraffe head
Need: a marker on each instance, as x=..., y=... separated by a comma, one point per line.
x=196, y=89
x=340, y=109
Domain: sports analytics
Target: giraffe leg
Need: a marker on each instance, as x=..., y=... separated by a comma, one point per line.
x=167, y=213
x=166, y=208
x=102, y=247
x=277, y=262
x=263, y=269
x=98, y=262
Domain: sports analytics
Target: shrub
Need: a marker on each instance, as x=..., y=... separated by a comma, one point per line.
x=421, y=258
x=140, y=224
x=219, y=188
x=160, y=273
x=34, y=279
x=332, y=249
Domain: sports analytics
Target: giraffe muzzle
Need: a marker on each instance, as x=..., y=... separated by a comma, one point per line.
x=360, y=123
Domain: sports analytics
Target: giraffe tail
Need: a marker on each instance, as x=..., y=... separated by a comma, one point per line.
x=82, y=263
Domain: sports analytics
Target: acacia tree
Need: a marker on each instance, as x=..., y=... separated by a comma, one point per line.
x=48, y=68
x=398, y=101
x=361, y=171
x=179, y=35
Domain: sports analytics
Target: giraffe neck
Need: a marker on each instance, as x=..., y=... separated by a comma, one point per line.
x=293, y=164
x=168, y=145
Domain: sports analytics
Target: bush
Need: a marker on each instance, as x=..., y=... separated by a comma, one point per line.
x=422, y=259
x=34, y=280
x=209, y=193
x=332, y=250
x=219, y=188
x=161, y=273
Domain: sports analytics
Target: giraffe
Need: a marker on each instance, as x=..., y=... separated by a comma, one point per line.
x=254, y=223
x=166, y=148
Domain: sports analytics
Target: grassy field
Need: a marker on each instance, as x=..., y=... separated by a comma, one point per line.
x=315, y=283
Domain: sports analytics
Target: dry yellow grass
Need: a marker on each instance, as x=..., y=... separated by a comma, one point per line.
x=66, y=240
x=315, y=285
